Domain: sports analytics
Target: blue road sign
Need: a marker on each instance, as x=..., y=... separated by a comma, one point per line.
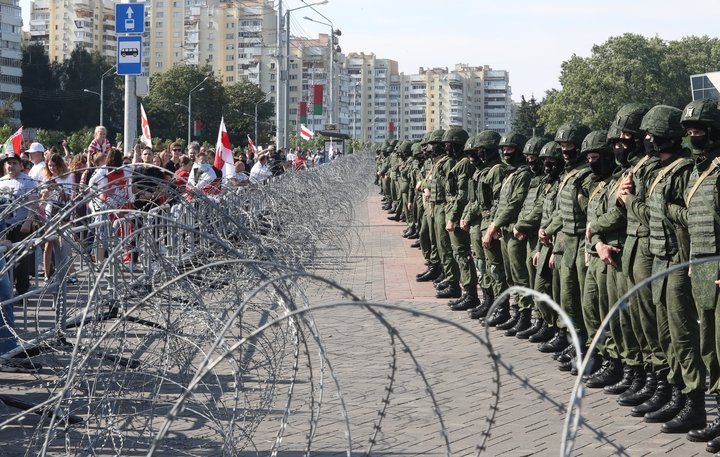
x=129, y=55
x=129, y=17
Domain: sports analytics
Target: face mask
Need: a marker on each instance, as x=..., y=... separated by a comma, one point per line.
x=649, y=146
x=553, y=168
x=598, y=168
x=572, y=156
x=621, y=154
x=536, y=167
x=699, y=142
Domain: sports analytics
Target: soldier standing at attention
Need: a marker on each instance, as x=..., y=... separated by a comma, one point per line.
x=669, y=243
x=568, y=223
x=483, y=153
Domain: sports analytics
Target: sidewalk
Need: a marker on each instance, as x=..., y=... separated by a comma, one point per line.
x=457, y=369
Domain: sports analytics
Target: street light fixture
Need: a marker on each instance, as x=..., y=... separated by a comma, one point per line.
x=331, y=77
x=102, y=92
x=189, y=105
x=283, y=83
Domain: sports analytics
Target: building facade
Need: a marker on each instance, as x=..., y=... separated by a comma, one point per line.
x=10, y=57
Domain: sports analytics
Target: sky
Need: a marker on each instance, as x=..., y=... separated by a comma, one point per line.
x=528, y=38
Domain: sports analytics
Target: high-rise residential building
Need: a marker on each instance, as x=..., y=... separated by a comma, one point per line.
x=10, y=57
x=705, y=85
x=64, y=25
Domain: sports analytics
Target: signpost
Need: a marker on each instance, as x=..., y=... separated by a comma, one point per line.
x=129, y=55
x=129, y=17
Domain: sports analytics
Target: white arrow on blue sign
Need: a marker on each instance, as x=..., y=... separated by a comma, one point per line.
x=129, y=55
x=129, y=17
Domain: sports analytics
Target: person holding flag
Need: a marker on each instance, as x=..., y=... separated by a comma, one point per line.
x=223, y=155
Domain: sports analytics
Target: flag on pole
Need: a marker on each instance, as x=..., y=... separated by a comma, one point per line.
x=223, y=152
x=306, y=133
x=251, y=144
x=317, y=100
x=146, y=138
x=14, y=143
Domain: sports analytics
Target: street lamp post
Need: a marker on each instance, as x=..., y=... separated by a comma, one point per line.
x=189, y=106
x=357, y=84
x=331, y=65
x=102, y=92
x=283, y=78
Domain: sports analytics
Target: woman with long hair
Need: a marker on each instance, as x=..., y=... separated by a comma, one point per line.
x=58, y=189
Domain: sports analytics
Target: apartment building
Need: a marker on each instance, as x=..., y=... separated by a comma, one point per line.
x=10, y=57
x=64, y=25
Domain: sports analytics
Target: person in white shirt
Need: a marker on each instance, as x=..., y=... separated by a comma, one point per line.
x=36, y=154
x=202, y=174
x=260, y=171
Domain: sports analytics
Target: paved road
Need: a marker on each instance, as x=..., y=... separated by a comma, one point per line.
x=441, y=378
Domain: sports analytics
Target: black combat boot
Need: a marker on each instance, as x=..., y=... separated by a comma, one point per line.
x=451, y=291
x=710, y=432
x=612, y=374
x=479, y=311
x=414, y=236
x=536, y=326
x=423, y=272
x=569, y=365
x=510, y=322
x=669, y=409
x=692, y=416
x=713, y=445
x=408, y=231
x=471, y=302
x=637, y=385
x=544, y=334
x=430, y=275
x=416, y=244
x=462, y=298
x=557, y=344
x=439, y=279
x=501, y=314
x=523, y=323
x=566, y=354
x=660, y=396
x=624, y=383
x=445, y=283
x=394, y=217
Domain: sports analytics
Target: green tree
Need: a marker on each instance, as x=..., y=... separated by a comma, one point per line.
x=526, y=118
x=166, y=104
x=626, y=68
x=40, y=98
x=240, y=112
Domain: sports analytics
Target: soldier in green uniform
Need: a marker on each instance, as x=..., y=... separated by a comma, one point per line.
x=411, y=174
x=568, y=223
x=701, y=119
x=435, y=152
x=451, y=143
x=669, y=244
x=394, y=173
x=512, y=195
x=489, y=182
x=484, y=154
x=528, y=221
x=547, y=279
x=636, y=259
x=456, y=191
x=604, y=234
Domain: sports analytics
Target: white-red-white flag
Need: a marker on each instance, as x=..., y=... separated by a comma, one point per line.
x=251, y=144
x=14, y=143
x=223, y=152
x=146, y=138
x=306, y=133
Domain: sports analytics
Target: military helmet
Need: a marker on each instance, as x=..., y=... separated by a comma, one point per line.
x=389, y=148
x=436, y=136
x=613, y=133
x=468, y=145
x=704, y=112
x=534, y=145
x=416, y=148
x=595, y=141
x=517, y=140
x=488, y=139
x=629, y=117
x=572, y=132
x=551, y=150
x=403, y=147
x=663, y=121
x=425, y=139
x=455, y=135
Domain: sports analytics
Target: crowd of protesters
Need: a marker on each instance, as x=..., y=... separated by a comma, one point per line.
x=101, y=184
